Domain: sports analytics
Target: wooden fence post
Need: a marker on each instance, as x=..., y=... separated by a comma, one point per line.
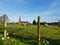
x=5, y=25
x=38, y=30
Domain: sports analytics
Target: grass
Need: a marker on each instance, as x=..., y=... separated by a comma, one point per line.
x=27, y=35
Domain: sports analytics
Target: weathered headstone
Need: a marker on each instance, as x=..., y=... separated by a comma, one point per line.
x=46, y=25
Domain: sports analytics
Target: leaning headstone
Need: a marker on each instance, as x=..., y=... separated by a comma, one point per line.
x=46, y=25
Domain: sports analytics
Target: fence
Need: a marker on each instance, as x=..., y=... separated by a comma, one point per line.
x=5, y=25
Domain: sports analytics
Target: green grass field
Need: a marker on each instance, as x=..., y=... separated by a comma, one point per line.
x=27, y=35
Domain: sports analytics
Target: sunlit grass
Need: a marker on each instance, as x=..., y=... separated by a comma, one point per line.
x=25, y=35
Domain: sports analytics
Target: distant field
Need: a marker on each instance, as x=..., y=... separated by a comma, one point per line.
x=27, y=35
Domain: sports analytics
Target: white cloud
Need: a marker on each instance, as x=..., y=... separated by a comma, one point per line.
x=19, y=1
x=56, y=2
x=52, y=10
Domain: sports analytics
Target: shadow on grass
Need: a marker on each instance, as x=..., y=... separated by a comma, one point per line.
x=27, y=40
x=1, y=32
x=32, y=40
x=51, y=41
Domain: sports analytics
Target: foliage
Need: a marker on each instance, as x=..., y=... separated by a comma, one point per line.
x=34, y=22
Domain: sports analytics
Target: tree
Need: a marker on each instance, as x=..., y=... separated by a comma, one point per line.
x=58, y=22
x=2, y=18
x=34, y=22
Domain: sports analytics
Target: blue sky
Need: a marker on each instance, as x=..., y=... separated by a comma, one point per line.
x=48, y=10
